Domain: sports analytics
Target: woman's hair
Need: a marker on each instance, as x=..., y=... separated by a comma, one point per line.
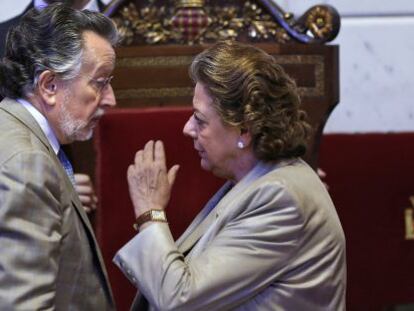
x=252, y=92
x=50, y=39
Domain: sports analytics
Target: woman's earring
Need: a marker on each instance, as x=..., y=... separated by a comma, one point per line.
x=240, y=144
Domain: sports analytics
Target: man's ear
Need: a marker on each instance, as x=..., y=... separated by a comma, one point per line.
x=47, y=87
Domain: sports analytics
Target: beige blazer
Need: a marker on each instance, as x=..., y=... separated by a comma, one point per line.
x=49, y=258
x=272, y=242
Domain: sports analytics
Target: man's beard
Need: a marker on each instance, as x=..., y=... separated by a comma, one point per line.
x=77, y=130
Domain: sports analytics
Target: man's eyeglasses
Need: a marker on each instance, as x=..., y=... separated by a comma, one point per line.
x=101, y=83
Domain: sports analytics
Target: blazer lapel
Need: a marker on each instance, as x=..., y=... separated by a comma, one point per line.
x=218, y=204
x=234, y=195
x=202, y=221
x=82, y=214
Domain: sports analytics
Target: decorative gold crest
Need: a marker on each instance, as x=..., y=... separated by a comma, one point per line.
x=198, y=21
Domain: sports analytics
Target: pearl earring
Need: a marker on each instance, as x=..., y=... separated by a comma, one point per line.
x=240, y=144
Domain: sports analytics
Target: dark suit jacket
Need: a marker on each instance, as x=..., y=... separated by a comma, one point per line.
x=49, y=258
x=5, y=26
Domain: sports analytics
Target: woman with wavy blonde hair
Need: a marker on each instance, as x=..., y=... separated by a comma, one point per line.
x=270, y=238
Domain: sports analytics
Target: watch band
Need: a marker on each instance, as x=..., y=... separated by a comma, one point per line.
x=151, y=215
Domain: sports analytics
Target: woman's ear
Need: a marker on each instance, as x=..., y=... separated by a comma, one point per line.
x=47, y=87
x=245, y=137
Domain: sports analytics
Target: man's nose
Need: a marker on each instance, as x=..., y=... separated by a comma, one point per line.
x=108, y=97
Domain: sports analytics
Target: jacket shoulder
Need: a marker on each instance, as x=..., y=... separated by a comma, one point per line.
x=16, y=138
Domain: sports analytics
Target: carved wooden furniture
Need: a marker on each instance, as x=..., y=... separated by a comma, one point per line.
x=159, y=40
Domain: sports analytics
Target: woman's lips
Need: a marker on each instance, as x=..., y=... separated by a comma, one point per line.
x=200, y=152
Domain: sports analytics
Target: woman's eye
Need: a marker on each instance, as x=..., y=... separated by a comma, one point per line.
x=198, y=120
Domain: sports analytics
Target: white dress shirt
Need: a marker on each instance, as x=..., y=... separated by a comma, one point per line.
x=43, y=123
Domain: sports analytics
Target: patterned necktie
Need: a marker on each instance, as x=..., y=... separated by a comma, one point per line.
x=66, y=165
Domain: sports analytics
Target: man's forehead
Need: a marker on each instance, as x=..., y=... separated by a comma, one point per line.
x=96, y=62
x=90, y=37
x=95, y=46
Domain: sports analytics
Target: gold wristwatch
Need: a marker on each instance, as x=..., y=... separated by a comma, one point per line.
x=151, y=215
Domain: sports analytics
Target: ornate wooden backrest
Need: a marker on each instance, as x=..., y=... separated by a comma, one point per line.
x=199, y=21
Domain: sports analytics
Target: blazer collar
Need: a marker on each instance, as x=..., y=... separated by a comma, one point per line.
x=202, y=221
x=17, y=110
x=217, y=204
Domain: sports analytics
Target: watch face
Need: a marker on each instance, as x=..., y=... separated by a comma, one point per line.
x=157, y=215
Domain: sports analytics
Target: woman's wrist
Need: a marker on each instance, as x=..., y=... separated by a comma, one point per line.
x=152, y=215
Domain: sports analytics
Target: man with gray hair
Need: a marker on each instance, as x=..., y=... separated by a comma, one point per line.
x=91, y=5
x=83, y=186
x=55, y=78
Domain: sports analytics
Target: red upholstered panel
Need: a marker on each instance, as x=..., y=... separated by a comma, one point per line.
x=120, y=134
x=371, y=177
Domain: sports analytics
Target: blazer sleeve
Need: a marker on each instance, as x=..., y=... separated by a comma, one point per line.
x=244, y=258
x=30, y=232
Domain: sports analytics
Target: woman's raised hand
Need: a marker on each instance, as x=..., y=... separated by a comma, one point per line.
x=149, y=182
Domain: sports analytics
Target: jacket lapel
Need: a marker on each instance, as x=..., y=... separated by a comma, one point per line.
x=217, y=205
x=82, y=214
x=202, y=221
x=234, y=195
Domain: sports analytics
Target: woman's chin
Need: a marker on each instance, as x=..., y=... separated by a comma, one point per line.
x=205, y=165
x=216, y=171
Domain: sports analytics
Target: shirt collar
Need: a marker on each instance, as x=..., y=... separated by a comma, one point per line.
x=43, y=123
x=91, y=6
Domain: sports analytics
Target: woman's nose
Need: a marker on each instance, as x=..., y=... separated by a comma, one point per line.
x=189, y=129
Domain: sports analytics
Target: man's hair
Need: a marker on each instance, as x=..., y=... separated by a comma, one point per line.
x=252, y=92
x=50, y=39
